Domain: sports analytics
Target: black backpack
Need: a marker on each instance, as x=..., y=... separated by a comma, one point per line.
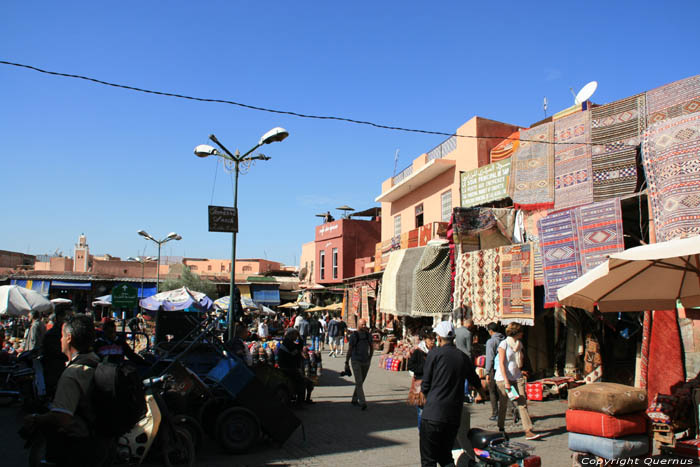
x=118, y=397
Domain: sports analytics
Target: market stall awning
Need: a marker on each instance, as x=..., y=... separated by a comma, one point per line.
x=38, y=286
x=178, y=299
x=71, y=285
x=265, y=294
x=649, y=277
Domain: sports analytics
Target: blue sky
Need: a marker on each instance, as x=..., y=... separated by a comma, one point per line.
x=80, y=157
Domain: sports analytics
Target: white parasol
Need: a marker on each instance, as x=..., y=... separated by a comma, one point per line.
x=18, y=301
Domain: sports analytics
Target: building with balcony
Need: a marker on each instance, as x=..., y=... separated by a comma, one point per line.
x=425, y=192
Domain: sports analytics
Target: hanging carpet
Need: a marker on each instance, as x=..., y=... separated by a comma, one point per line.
x=644, y=359
x=517, y=284
x=387, y=302
x=561, y=260
x=532, y=169
x=573, y=174
x=431, y=287
x=599, y=232
x=505, y=148
x=592, y=360
x=616, y=132
x=532, y=235
x=477, y=285
x=671, y=156
x=674, y=100
x=397, y=290
x=665, y=355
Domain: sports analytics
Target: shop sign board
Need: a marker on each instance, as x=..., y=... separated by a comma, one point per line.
x=124, y=296
x=223, y=219
x=485, y=184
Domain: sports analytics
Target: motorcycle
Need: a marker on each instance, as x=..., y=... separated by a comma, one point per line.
x=158, y=432
x=493, y=448
x=23, y=380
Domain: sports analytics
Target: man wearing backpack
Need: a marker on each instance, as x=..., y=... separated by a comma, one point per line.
x=68, y=426
x=360, y=352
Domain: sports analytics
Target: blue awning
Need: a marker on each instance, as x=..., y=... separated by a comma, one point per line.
x=73, y=285
x=38, y=286
x=147, y=290
x=269, y=295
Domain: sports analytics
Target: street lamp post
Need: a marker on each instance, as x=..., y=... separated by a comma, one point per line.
x=170, y=236
x=204, y=150
x=143, y=266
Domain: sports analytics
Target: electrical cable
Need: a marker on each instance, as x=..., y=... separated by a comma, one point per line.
x=286, y=112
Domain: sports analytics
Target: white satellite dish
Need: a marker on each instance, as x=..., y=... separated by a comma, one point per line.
x=586, y=92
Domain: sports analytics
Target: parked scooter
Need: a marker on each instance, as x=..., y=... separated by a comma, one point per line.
x=495, y=449
x=156, y=433
x=23, y=380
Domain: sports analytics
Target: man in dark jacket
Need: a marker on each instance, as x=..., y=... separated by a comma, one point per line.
x=491, y=352
x=444, y=373
x=360, y=352
x=290, y=360
x=315, y=332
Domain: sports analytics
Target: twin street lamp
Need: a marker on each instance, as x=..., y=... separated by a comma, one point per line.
x=143, y=261
x=170, y=236
x=205, y=150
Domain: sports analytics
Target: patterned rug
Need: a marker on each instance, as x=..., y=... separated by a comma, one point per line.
x=506, y=148
x=573, y=174
x=599, y=232
x=644, y=354
x=561, y=258
x=431, y=285
x=477, y=285
x=532, y=172
x=532, y=235
x=673, y=100
x=517, y=284
x=666, y=369
x=387, y=302
x=671, y=155
x=616, y=131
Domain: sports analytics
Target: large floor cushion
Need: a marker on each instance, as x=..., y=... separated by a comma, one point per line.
x=607, y=426
x=608, y=398
x=609, y=448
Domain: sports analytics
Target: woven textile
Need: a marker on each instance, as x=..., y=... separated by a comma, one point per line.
x=477, y=285
x=532, y=169
x=573, y=174
x=671, y=155
x=616, y=131
x=561, y=260
x=387, y=302
x=432, y=282
x=674, y=100
x=517, y=284
x=644, y=358
x=599, y=232
x=532, y=235
x=506, y=148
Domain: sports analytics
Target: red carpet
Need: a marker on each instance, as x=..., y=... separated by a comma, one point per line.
x=666, y=367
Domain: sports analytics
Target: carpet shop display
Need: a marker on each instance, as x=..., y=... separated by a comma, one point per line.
x=599, y=231
x=477, y=285
x=616, y=132
x=666, y=369
x=674, y=100
x=530, y=219
x=432, y=282
x=532, y=169
x=671, y=155
x=573, y=174
x=517, y=284
x=397, y=281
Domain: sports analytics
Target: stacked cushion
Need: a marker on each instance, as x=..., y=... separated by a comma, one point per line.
x=604, y=425
x=610, y=448
x=608, y=398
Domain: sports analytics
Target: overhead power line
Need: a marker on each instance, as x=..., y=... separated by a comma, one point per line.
x=277, y=111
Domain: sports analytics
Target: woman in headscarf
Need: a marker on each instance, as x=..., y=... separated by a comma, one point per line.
x=508, y=376
x=415, y=365
x=290, y=360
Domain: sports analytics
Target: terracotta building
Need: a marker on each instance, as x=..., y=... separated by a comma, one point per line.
x=339, y=244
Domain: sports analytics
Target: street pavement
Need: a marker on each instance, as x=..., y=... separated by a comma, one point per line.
x=386, y=434
x=339, y=434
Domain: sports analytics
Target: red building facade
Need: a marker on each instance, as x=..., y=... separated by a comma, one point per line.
x=339, y=244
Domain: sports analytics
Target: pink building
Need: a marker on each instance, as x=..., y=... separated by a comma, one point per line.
x=427, y=190
x=339, y=244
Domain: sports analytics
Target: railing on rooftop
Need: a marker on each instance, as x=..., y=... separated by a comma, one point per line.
x=399, y=177
x=443, y=149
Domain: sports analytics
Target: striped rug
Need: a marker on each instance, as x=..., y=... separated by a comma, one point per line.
x=505, y=148
x=616, y=131
x=477, y=285
x=517, y=284
x=573, y=174
x=532, y=169
x=561, y=259
x=599, y=232
x=530, y=220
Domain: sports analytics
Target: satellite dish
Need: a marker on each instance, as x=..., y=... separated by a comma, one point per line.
x=586, y=92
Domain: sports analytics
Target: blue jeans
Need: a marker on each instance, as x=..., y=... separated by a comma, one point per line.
x=420, y=412
x=466, y=387
x=314, y=342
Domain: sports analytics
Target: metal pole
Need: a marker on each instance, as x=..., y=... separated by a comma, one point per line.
x=143, y=266
x=158, y=269
x=233, y=259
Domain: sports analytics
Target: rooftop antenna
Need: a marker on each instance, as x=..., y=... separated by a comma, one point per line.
x=585, y=93
x=544, y=106
x=396, y=161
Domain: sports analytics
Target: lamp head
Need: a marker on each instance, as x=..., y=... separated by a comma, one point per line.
x=143, y=233
x=273, y=136
x=204, y=150
x=172, y=235
x=131, y=258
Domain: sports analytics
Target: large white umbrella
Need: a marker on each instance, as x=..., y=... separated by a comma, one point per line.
x=18, y=301
x=649, y=277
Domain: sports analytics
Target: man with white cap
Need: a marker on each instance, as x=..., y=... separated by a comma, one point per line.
x=444, y=372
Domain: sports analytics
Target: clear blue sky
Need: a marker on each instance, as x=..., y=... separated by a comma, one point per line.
x=80, y=157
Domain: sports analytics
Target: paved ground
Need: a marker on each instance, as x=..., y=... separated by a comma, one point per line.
x=386, y=434
x=339, y=434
